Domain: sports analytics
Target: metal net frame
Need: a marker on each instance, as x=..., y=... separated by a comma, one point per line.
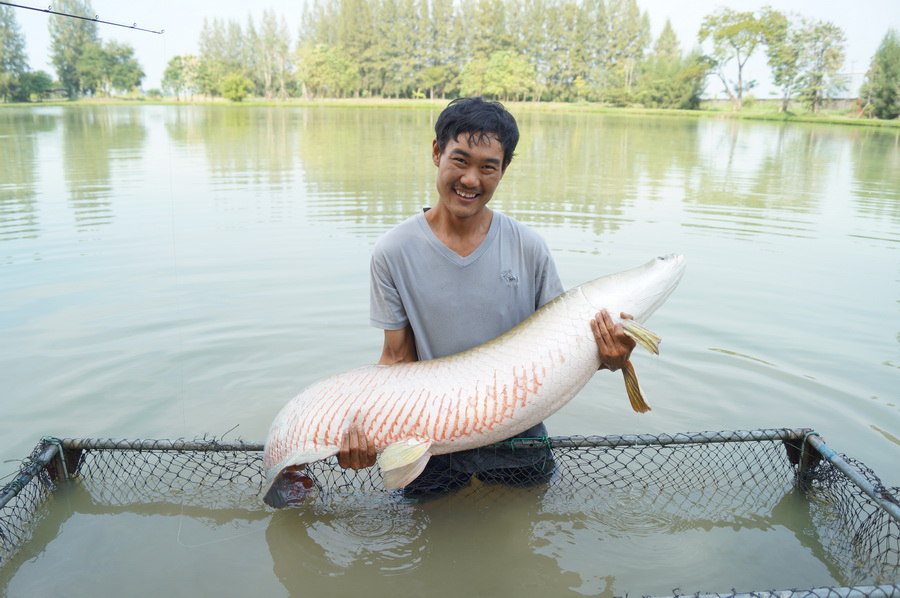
x=730, y=474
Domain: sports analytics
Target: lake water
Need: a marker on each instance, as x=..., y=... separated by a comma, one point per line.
x=180, y=271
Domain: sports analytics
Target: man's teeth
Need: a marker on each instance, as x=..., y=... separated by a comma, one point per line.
x=466, y=195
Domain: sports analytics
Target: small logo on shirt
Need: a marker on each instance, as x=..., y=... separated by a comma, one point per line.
x=510, y=278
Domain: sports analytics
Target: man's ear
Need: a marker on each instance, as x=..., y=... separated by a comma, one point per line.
x=435, y=153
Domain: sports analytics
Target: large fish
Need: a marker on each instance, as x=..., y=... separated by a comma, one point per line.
x=484, y=395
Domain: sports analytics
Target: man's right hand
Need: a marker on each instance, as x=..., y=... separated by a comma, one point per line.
x=614, y=345
x=357, y=452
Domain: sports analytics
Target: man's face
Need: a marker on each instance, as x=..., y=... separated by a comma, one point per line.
x=468, y=173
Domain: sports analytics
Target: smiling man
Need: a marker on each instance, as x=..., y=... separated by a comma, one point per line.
x=459, y=274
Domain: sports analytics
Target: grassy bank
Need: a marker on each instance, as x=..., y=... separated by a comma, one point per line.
x=767, y=112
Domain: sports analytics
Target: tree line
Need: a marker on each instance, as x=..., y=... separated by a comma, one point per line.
x=537, y=50
x=526, y=50
x=84, y=64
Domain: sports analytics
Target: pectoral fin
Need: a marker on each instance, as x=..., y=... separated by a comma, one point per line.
x=402, y=462
x=644, y=337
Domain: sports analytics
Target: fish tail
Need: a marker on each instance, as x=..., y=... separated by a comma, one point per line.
x=644, y=337
x=634, y=390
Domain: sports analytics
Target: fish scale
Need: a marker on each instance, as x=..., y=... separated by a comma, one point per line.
x=470, y=399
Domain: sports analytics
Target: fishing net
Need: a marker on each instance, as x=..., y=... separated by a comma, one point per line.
x=851, y=521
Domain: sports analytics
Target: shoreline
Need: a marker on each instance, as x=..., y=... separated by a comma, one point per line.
x=751, y=113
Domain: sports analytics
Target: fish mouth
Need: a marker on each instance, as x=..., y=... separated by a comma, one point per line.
x=677, y=258
x=291, y=487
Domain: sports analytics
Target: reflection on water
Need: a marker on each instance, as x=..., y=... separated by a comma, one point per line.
x=467, y=541
x=741, y=191
x=173, y=271
x=19, y=217
x=368, y=539
x=242, y=147
x=95, y=141
x=580, y=170
x=876, y=162
x=343, y=151
x=586, y=174
x=489, y=541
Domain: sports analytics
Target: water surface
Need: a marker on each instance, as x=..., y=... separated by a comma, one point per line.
x=180, y=271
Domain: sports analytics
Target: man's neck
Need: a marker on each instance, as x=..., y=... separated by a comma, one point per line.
x=460, y=235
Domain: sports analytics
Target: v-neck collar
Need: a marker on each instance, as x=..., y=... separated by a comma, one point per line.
x=451, y=255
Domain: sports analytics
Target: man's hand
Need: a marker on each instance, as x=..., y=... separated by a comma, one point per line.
x=614, y=345
x=357, y=452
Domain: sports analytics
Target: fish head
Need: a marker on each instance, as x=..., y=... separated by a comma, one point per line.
x=290, y=487
x=639, y=291
x=288, y=481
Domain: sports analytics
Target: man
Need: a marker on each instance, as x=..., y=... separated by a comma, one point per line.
x=460, y=274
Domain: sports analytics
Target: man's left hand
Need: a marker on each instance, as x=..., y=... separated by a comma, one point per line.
x=614, y=345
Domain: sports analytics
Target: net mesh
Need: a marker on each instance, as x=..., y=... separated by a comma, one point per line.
x=722, y=476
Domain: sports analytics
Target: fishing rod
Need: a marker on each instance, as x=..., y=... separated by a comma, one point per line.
x=96, y=18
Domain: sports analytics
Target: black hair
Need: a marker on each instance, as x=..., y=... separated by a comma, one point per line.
x=479, y=119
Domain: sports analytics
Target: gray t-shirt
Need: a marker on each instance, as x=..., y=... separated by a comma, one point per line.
x=455, y=303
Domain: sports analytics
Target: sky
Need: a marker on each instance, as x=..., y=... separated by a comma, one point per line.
x=865, y=22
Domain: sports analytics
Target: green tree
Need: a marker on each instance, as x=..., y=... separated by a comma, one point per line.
x=398, y=48
x=174, y=77
x=627, y=39
x=485, y=22
x=561, y=49
x=436, y=79
x=326, y=71
x=106, y=68
x=273, y=49
x=784, y=51
x=221, y=54
x=593, y=30
x=208, y=78
x=473, y=77
x=32, y=83
x=822, y=58
x=735, y=37
x=212, y=50
x=509, y=76
x=236, y=87
x=69, y=39
x=691, y=80
x=261, y=54
x=561, y=55
x=668, y=80
x=657, y=86
x=539, y=44
x=358, y=28
x=248, y=40
x=90, y=69
x=124, y=72
x=667, y=47
x=882, y=86
x=13, y=59
x=182, y=76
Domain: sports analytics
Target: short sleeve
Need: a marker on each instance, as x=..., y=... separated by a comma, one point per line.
x=547, y=284
x=385, y=306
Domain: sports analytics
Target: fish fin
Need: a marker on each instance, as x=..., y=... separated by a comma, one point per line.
x=644, y=337
x=402, y=462
x=634, y=390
